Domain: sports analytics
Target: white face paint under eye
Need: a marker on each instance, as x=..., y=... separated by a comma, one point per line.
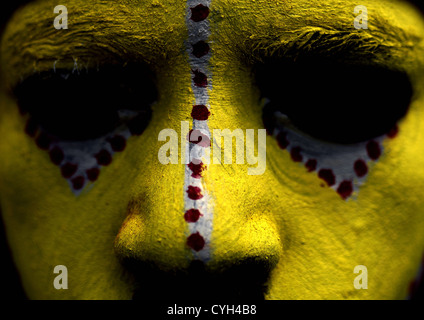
x=344, y=168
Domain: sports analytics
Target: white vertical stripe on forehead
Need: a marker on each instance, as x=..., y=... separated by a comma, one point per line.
x=198, y=31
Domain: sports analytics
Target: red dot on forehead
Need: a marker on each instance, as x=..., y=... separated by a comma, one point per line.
x=196, y=241
x=192, y=215
x=200, y=112
x=199, y=13
x=194, y=193
x=373, y=150
x=328, y=176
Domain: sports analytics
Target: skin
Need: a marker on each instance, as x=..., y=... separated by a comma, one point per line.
x=308, y=238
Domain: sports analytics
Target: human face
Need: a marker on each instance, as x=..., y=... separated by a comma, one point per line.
x=83, y=192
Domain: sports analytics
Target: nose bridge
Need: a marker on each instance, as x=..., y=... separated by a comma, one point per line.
x=210, y=212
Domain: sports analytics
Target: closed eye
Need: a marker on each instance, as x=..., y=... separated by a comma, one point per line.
x=336, y=102
x=87, y=104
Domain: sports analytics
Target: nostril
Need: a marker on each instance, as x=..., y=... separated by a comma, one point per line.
x=245, y=280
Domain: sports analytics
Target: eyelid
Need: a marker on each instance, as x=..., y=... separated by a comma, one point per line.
x=85, y=105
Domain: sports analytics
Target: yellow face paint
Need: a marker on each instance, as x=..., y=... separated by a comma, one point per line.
x=287, y=227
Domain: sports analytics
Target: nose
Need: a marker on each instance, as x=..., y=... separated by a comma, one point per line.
x=207, y=226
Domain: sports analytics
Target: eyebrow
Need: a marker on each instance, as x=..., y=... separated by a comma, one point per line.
x=319, y=42
x=385, y=44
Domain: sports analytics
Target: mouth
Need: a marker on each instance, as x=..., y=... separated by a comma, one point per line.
x=244, y=281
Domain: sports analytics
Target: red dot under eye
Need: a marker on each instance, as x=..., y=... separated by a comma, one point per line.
x=78, y=182
x=311, y=165
x=373, y=149
x=361, y=168
x=282, y=140
x=56, y=155
x=103, y=158
x=118, y=143
x=345, y=189
x=196, y=241
x=92, y=174
x=295, y=154
x=328, y=176
x=68, y=170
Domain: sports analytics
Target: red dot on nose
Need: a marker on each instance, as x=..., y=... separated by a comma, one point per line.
x=328, y=176
x=196, y=241
x=194, y=193
x=192, y=215
x=199, y=13
x=200, y=112
x=197, y=169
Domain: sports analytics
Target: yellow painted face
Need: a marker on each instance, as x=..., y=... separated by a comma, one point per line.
x=81, y=181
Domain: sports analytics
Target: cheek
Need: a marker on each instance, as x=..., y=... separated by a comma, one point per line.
x=80, y=162
x=343, y=168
